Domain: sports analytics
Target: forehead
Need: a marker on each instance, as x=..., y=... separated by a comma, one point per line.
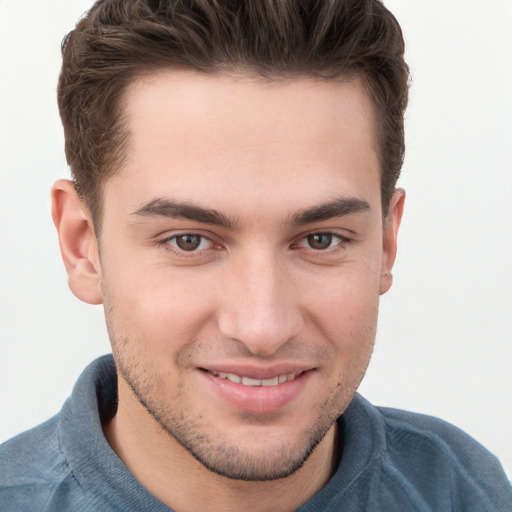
x=227, y=109
x=205, y=137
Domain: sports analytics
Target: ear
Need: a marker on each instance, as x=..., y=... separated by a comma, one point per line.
x=391, y=225
x=78, y=243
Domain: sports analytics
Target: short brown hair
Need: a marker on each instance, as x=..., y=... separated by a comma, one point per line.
x=119, y=40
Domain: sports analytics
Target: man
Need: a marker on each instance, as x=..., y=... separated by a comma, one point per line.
x=234, y=209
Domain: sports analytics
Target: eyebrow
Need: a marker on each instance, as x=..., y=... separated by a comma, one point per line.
x=337, y=208
x=182, y=210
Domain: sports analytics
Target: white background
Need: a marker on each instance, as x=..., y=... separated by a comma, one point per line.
x=444, y=345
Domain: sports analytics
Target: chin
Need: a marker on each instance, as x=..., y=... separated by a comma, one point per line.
x=272, y=461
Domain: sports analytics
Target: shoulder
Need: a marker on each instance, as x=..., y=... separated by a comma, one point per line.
x=426, y=454
x=32, y=467
x=428, y=435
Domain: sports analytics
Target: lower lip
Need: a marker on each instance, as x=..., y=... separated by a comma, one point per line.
x=259, y=399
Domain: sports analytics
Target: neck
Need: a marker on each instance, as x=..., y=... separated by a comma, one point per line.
x=177, y=479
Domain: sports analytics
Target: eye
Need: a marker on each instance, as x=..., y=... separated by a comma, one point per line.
x=320, y=241
x=189, y=242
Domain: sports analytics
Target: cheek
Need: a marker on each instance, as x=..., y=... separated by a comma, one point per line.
x=160, y=307
x=346, y=310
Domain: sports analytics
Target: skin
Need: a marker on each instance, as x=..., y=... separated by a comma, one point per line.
x=277, y=185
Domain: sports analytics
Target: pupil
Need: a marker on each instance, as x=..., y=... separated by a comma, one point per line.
x=188, y=242
x=320, y=241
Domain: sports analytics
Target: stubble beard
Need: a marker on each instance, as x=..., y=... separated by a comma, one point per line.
x=216, y=452
x=211, y=448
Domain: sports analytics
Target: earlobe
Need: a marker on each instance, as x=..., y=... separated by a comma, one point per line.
x=391, y=225
x=78, y=243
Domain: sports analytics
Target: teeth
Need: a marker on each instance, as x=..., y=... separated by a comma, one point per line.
x=230, y=376
x=247, y=381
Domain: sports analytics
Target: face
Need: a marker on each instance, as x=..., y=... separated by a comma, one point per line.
x=241, y=262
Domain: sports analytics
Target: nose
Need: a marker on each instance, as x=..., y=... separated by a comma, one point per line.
x=259, y=306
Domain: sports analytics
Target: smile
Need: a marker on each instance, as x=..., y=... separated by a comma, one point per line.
x=258, y=390
x=248, y=381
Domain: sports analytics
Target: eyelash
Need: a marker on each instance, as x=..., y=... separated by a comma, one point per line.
x=168, y=245
x=341, y=241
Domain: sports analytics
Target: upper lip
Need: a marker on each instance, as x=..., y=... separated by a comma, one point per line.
x=258, y=372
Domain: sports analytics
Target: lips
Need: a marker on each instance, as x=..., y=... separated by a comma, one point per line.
x=248, y=381
x=257, y=390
